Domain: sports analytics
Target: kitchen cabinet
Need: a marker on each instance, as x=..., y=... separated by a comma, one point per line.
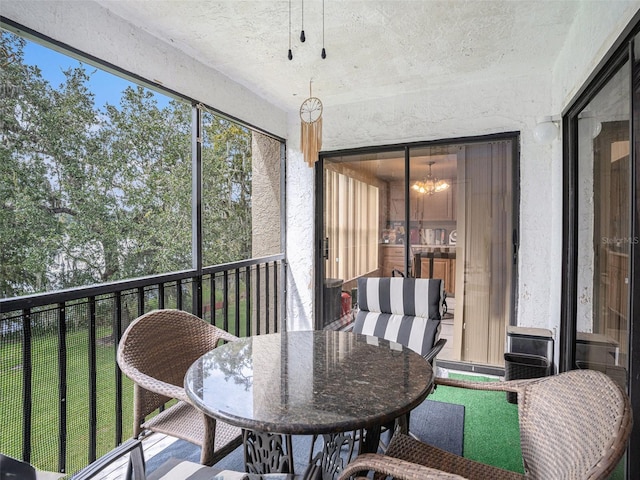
x=617, y=295
x=438, y=207
x=392, y=258
x=443, y=268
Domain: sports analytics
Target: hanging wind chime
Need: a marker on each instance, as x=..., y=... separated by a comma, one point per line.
x=303, y=37
x=311, y=108
x=311, y=128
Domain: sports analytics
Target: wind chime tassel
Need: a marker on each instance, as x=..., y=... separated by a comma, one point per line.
x=311, y=140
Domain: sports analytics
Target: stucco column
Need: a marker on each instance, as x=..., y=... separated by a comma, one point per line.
x=265, y=221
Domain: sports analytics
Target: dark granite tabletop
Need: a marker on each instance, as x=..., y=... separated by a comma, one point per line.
x=309, y=382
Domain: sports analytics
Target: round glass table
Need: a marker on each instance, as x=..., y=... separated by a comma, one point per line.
x=307, y=382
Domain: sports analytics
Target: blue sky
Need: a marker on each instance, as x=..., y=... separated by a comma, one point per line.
x=106, y=86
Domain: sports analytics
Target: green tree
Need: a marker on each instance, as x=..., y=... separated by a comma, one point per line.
x=226, y=159
x=149, y=153
x=91, y=195
x=31, y=210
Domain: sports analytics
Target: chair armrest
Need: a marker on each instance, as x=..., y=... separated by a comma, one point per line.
x=136, y=459
x=398, y=469
x=157, y=386
x=224, y=335
x=514, y=386
x=431, y=354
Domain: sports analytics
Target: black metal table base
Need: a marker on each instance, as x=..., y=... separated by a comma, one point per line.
x=330, y=457
x=267, y=453
x=273, y=453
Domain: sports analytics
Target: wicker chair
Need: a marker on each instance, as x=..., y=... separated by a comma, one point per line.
x=155, y=352
x=574, y=425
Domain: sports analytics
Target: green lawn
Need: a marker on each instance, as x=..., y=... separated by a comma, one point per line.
x=45, y=384
x=45, y=394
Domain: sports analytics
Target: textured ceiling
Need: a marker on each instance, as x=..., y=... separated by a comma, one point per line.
x=375, y=48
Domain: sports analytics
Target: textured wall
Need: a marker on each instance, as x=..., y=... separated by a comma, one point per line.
x=300, y=232
x=265, y=196
x=596, y=27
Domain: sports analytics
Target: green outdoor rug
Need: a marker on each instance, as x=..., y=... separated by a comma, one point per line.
x=491, y=431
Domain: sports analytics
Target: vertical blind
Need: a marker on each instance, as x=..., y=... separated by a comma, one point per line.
x=352, y=212
x=484, y=233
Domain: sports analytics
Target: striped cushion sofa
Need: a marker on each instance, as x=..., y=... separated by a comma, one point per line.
x=404, y=310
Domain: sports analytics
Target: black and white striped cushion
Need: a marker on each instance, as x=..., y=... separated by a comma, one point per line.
x=403, y=310
x=419, y=297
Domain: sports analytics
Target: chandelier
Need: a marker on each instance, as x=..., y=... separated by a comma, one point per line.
x=431, y=184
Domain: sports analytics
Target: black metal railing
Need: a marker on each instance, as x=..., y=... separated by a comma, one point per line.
x=63, y=400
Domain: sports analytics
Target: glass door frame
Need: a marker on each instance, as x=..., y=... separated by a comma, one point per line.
x=620, y=53
x=320, y=246
x=319, y=241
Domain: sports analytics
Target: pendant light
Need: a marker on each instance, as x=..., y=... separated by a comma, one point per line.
x=430, y=184
x=303, y=36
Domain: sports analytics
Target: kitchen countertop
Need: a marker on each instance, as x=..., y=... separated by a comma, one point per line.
x=424, y=248
x=436, y=254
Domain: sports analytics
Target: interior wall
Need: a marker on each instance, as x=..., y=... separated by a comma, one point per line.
x=92, y=29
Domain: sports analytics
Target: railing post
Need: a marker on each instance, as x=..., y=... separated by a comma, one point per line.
x=197, y=296
x=27, y=400
x=212, y=298
x=237, y=300
x=275, y=297
x=258, y=313
x=179, y=294
x=62, y=388
x=161, y=295
x=117, y=334
x=225, y=300
x=247, y=297
x=93, y=402
x=140, y=301
x=266, y=297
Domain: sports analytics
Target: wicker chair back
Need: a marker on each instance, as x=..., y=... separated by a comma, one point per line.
x=156, y=351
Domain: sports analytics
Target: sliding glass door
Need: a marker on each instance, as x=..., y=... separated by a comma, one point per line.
x=438, y=210
x=604, y=240
x=602, y=219
x=357, y=240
